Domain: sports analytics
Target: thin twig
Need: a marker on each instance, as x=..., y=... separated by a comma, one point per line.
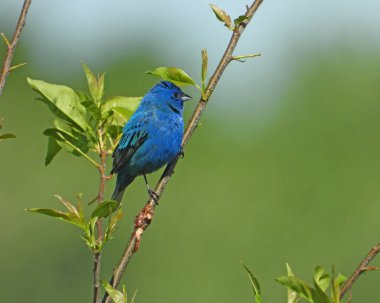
x=99, y=223
x=362, y=268
x=11, y=46
x=92, y=161
x=144, y=218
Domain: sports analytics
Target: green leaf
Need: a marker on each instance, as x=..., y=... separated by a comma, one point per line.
x=255, y=285
x=297, y=285
x=222, y=16
x=240, y=19
x=71, y=208
x=125, y=291
x=68, y=217
x=119, y=109
x=7, y=136
x=101, y=85
x=83, y=97
x=134, y=296
x=94, y=111
x=52, y=151
x=340, y=279
x=112, y=224
x=62, y=138
x=289, y=271
x=90, y=234
x=67, y=137
x=50, y=212
x=129, y=103
x=293, y=297
x=321, y=278
x=173, y=74
x=318, y=295
x=114, y=132
x=204, y=69
x=95, y=84
x=125, y=113
x=80, y=204
x=75, y=136
x=104, y=209
x=73, y=216
x=116, y=295
x=336, y=284
x=62, y=101
x=321, y=283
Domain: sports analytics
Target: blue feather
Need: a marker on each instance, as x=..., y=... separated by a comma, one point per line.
x=152, y=137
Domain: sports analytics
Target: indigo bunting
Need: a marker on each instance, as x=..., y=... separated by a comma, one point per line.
x=151, y=138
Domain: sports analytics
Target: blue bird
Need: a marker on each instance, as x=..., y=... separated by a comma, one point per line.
x=151, y=138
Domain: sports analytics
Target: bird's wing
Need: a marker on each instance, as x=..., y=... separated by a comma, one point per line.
x=134, y=135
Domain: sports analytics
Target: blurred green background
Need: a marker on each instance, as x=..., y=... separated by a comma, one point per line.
x=285, y=167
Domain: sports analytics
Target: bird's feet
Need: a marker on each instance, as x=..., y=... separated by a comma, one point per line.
x=153, y=195
x=181, y=154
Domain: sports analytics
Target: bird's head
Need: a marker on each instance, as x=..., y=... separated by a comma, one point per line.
x=169, y=95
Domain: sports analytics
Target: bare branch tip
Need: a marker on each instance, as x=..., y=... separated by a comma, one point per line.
x=16, y=66
x=5, y=40
x=240, y=58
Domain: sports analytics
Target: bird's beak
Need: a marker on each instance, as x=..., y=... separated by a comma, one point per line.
x=185, y=97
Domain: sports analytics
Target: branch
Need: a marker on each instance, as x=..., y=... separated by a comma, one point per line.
x=11, y=47
x=145, y=216
x=362, y=268
x=99, y=222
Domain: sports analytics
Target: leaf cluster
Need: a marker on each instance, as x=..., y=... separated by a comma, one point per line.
x=89, y=122
x=74, y=215
x=222, y=16
x=300, y=290
x=116, y=295
x=85, y=121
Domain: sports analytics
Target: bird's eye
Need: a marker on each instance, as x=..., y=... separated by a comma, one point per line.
x=176, y=95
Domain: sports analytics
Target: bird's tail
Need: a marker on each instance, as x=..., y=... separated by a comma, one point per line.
x=122, y=182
